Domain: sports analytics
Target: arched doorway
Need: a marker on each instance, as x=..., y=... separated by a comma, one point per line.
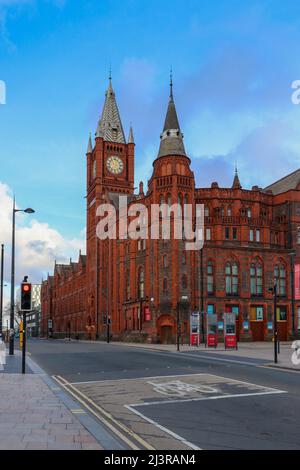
x=166, y=329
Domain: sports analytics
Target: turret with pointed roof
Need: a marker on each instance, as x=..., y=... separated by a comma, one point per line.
x=110, y=126
x=236, y=182
x=131, y=137
x=171, y=138
x=90, y=146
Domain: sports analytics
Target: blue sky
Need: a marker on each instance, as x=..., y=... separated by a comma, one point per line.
x=233, y=65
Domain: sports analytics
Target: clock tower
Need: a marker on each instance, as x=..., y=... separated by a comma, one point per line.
x=110, y=171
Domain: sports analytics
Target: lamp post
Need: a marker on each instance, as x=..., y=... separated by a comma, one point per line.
x=183, y=297
x=292, y=255
x=275, y=331
x=1, y=289
x=12, y=291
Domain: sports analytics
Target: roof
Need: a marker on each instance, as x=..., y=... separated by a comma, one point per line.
x=286, y=183
x=171, y=138
x=110, y=126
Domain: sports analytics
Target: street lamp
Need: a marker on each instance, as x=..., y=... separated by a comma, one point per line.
x=12, y=287
x=183, y=297
x=274, y=291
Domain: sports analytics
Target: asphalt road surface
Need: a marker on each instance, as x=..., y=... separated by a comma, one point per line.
x=164, y=400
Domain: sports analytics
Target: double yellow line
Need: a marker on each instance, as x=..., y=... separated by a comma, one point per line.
x=130, y=438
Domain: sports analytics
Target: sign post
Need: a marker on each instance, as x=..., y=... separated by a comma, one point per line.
x=212, y=331
x=195, y=329
x=230, y=339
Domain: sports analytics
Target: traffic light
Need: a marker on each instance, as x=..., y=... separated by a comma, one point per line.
x=26, y=292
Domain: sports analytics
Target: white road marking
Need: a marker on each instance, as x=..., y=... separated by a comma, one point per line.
x=218, y=397
x=163, y=428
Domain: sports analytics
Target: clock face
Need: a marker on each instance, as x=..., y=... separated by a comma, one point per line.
x=114, y=165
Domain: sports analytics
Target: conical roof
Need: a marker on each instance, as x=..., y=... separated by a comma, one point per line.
x=110, y=126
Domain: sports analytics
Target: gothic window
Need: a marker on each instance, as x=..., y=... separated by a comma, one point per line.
x=127, y=284
x=184, y=281
x=210, y=278
x=256, y=279
x=231, y=278
x=165, y=261
x=280, y=276
x=94, y=169
x=141, y=283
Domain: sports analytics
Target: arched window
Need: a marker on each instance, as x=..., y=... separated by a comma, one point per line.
x=165, y=261
x=169, y=203
x=280, y=276
x=141, y=283
x=165, y=285
x=232, y=278
x=184, y=281
x=210, y=278
x=180, y=203
x=127, y=284
x=94, y=169
x=256, y=279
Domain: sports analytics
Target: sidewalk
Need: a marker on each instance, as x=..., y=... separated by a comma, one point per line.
x=263, y=351
x=32, y=417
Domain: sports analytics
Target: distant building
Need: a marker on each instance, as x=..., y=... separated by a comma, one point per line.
x=251, y=238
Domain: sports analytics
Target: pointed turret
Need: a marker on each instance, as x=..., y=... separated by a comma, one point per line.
x=131, y=137
x=171, y=137
x=90, y=146
x=110, y=126
x=236, y=182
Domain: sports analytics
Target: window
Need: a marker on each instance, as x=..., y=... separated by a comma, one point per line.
x=165, y=285
x=280, y=276
x=206, y=211
x=251, y=235
x=208, y=234
x=256, y=279
x=298, y=235
x=183, y=259
x=298, y=310
x=249, y=213
x=257, y=313
x=234, y=233
x=180, y=202
x=210, y=309
x=222, y=211
x=229, y=211
x=258, y=235
x=141, y=283
x=184, y=282
x=128, y=285
x=231, y=278
x=165, y=261
x=281, y=313
x=227, y=233
x=210, y=278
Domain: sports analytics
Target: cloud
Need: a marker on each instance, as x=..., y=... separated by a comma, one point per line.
x=37, y=244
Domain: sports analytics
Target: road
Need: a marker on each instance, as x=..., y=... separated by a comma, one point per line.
x=164, y=400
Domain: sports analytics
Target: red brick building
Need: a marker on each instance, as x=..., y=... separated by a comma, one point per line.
x=251, y=236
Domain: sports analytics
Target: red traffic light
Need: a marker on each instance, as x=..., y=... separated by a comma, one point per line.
x=26, y=287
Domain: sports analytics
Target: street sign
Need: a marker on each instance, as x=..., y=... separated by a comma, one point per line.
x=195, y=329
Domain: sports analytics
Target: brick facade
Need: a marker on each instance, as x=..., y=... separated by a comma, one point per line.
x=139, y=284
